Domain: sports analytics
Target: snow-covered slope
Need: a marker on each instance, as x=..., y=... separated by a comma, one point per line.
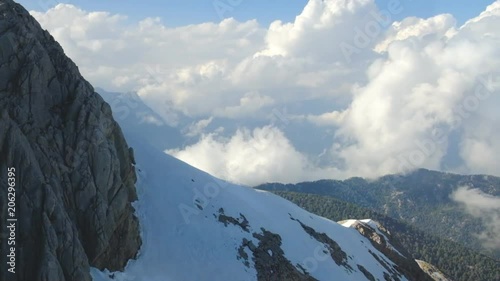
x=196, y=227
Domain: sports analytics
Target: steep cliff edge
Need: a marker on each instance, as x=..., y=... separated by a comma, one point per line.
x=75, y=179
x=383, y=241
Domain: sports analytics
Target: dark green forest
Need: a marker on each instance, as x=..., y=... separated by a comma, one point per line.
x=422, y=199
x=453, y=259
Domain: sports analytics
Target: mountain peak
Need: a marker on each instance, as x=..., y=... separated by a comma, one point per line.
x=76, y=181
x=74, y=175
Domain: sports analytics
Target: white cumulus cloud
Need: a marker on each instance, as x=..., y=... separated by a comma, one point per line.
x=485, y=207
x=376, y=96
x=250, y=157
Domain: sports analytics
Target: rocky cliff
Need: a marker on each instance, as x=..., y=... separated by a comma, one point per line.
x=74, y=174
x=383, y=241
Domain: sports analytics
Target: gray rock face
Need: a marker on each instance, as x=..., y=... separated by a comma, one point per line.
x=75, y=179
x=405, y=264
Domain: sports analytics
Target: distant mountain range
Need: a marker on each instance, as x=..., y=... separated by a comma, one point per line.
x=422, y=198
x=453, y=259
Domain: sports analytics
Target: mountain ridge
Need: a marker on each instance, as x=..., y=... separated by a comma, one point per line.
x=258, y=235
x=424, y=198
x=452, y=258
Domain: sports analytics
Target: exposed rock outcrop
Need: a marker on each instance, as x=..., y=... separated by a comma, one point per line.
x=75, y=179
x=337, y=254
x=433, y=271
x=242, y=221
x=270, y=261
x=381, y=239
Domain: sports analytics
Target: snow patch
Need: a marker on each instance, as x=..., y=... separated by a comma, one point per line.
x=184, y=242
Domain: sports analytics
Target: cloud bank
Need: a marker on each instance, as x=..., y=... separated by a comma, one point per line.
x=340, y=91
x=485, y=207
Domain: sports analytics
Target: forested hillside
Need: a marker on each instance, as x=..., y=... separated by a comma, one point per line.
x=422, y=199
x=453, y=259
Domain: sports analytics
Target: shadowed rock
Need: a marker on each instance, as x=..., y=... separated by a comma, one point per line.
x=405, y=264
x=270, y=261
x=74, y=174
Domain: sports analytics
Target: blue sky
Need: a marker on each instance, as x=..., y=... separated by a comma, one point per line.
x=182, y=12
